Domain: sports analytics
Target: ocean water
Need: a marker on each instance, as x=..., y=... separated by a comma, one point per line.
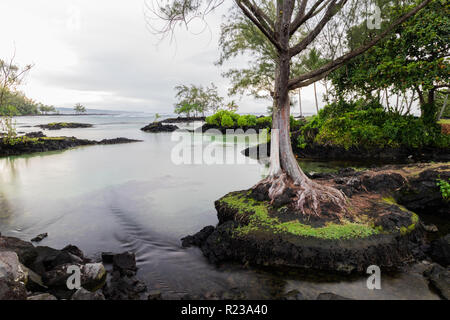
x=134, y=197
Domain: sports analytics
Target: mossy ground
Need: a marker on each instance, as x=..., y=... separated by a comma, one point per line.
x=262, y=218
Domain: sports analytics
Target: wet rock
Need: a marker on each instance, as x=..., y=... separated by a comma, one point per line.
x=117, y=141
x=123, y=287
x=108, y=257
x=383, y=182
x=83, y=294
x=34, y=282
x=42, y=296
x=293, y=295
x=198, y=238
x=422, y=195
x=234, y=294
x=37, y=134
x=74, y=250
x=12, y=277
x=25, y=250
x=64, y=125
x=49, y=258
x=40, y=237
x=330, y=296
x=157, y=127
x=125, y=263
x=439, y=279
x=440, y=250
x=431, y=228
x=93, y=276
x=154, y=295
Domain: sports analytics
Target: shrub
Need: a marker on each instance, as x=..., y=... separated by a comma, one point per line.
x=369, y=125
x=227, y=121
x=242, y=121
x=216, y=119
x=264, y=122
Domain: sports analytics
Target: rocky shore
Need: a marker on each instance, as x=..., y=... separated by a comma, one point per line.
x=43, y=273
x=385, y=233
x=38, y=142
x=64, y=125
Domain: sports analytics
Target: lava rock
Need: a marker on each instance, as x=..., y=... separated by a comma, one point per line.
x=12, y=277
x=157, y=127
x=198, y=238
x=40, y=237
x=293, y=295
x=440, y=250
x=25, y=250
x=439, y=278
x=42, y=296
x=154, y=295
x=125, y=263
x=83, y=294
x=331, y=296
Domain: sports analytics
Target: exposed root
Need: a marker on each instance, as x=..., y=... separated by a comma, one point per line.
x=305, y=196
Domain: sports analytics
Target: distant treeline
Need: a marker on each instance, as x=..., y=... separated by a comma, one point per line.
x=17, y=104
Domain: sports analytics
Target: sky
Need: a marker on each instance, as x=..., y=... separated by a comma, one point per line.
x=101, y=54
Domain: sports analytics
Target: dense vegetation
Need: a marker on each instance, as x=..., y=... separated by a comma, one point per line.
x=368, y=125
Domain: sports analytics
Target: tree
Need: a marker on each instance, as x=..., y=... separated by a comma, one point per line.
x=232, y=106
x=79, y=108
x=312, y=62
x=412, y=62
x=197, y=99
x=292, y=31
x=46, y=109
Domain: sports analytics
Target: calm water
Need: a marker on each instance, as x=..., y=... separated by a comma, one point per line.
x=133, y=197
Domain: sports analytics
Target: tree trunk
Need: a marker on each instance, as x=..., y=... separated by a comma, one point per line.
x=285, y=172
x=300, y=101
x=315, y=95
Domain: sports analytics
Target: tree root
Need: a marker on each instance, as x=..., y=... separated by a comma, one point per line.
x=305, y=196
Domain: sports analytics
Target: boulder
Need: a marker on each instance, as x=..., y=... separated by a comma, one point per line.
x=83, y=294
x=49, y=258
x=440, y=250
x=42, y=296
x=198, y=238
x=26, y=252
x=125, y=263
x=439, y=278
x=12, y=277
x=40, y=237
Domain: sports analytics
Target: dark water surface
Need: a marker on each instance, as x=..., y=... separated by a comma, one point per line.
x=133, y=197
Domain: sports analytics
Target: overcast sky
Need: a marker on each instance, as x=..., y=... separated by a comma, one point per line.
x=100, y=53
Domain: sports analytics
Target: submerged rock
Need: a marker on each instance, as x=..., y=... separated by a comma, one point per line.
x=64, y=125
x=40, y=237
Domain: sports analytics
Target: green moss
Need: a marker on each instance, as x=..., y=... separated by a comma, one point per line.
x=60, y=124
x=414, y=217
x=260, y=220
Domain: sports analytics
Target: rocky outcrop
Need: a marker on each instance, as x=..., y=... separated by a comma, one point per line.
x=38, y=143
x=42, y=273
x=422, y=194
x=440, y=250
x=64, y=125
x=158, y=127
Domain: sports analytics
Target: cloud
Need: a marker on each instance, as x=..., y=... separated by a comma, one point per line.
x=102, y=54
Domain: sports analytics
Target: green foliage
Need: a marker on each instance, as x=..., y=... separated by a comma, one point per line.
x=79, y=108
x=264, y=122
x=413, y=59
x=368, y=125
x=227, y=121
x=8, y=128
x=197, y=99
x=445, y=188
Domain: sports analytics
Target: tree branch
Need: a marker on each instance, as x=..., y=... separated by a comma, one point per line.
x=333, y=65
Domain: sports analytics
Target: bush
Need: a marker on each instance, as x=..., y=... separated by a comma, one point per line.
x=216, y=119
x=242, y=122
x=369, y=125
x=264, y=122
x=227, y=121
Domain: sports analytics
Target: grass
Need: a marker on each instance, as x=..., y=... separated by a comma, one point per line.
x=444, y=121
x=260, y=220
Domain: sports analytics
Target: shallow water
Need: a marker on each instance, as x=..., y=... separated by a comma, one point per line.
x=133, y=197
